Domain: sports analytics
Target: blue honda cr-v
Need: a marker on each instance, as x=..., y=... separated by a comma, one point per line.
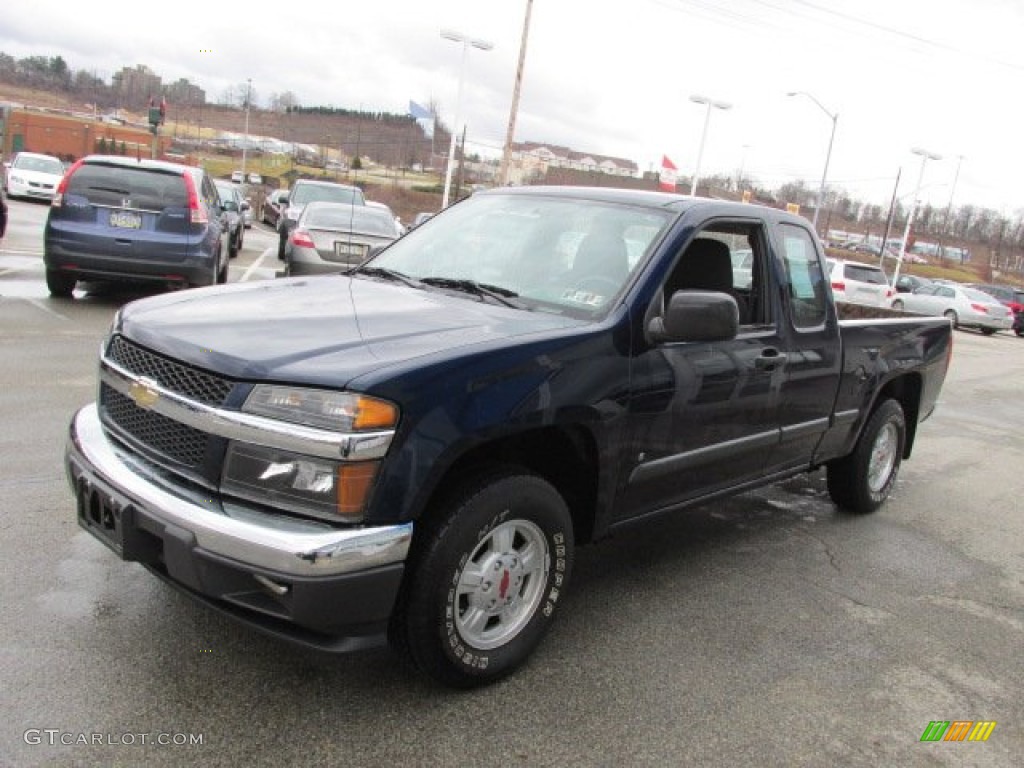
x=119, y=218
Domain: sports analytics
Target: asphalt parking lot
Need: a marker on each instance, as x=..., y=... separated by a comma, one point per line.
x=764, y=630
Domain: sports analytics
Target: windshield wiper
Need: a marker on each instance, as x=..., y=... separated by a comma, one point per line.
x=483, y=290
x=387, y=274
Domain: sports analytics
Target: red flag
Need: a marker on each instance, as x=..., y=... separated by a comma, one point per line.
x=163, y=108
x=667, y=177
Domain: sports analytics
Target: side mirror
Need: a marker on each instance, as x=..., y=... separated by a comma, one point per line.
x=696, y=316
x=245, y=205
x=282, y=201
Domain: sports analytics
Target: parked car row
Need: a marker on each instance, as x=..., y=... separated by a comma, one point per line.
x=988, y=308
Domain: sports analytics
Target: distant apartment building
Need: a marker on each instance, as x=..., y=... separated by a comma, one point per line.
x=135, y=86
x=531, y=160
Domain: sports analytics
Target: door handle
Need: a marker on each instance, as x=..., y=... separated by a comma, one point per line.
x=769, y=359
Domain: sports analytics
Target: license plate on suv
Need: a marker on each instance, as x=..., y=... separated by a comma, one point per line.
x=125, y=220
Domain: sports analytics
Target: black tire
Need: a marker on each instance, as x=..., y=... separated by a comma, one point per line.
x=59, y=284
x=282, y=239
x=1020, y=333
x=235, y=244
x=862, y=481
x=898, y=305
x=451, y=626
x=222, y=273
x=950, y=315
x=988, y=331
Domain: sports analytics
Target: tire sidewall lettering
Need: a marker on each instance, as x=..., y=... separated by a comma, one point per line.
x=554, y=578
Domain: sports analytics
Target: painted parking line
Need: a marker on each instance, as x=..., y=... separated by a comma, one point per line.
x=258, y=270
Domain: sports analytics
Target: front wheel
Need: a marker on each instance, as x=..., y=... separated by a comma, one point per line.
x=988, y=331
x=485, y=578
x=862, y=481
x=898, y=305
x=950, y=315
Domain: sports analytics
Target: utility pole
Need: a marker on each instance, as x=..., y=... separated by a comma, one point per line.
x=506, y=155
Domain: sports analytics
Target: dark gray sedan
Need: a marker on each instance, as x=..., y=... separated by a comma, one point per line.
x=331, y=237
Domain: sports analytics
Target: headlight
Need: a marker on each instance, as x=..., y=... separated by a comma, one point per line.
x=304, y=484
x=335, y=490
x=337, y=411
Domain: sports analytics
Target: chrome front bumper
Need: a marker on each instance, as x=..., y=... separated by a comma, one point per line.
x=243, y=534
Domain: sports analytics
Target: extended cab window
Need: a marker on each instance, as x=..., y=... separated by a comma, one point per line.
x=806, y=281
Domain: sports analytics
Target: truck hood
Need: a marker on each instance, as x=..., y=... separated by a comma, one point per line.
x=325, y=330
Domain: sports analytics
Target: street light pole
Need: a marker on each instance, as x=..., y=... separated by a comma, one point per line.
x=834, y=117
x=925, y=157
x=245, y=143
x=483, y=45
x=704, y=134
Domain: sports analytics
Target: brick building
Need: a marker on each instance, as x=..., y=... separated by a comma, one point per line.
x=71, y=137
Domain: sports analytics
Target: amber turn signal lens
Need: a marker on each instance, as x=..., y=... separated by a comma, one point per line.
x=354, y=482
x=374, y=414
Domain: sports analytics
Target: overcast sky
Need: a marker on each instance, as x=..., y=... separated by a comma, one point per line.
x=614, y=77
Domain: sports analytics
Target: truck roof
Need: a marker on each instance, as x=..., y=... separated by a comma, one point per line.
x=653, y=199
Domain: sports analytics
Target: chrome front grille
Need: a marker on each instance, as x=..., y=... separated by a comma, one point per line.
x=172, y=440
x=178, y=377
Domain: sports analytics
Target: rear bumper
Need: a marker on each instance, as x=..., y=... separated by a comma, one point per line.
x=198, y=269
x=309, y=582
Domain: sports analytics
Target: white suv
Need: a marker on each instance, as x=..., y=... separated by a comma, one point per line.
x=859, y=283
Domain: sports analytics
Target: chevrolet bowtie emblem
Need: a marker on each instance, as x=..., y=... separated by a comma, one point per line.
x=144, y=393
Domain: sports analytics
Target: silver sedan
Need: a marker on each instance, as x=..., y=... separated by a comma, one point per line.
x=331, y=237
x=965, y=307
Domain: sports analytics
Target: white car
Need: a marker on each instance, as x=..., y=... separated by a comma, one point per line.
x=965, y=307
x=34, y=176
x=858, y=283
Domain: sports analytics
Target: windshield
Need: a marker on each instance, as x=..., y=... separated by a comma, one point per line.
x=39, y=164
x=555, y=254
x=308, y=193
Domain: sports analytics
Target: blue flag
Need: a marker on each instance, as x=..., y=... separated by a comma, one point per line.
x=418, y=112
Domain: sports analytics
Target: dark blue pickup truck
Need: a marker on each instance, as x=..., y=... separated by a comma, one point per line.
x=412, y=450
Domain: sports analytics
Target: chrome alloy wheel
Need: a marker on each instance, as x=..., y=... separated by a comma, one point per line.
x=500, y=585
x=883, y=457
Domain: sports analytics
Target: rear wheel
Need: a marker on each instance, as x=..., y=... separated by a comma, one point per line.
x=60, y=284
x=898, y=305
x=862, y=481
x=485, y=578
x=281, y=241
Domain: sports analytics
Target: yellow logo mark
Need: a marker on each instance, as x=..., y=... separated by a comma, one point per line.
x=144, y=393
